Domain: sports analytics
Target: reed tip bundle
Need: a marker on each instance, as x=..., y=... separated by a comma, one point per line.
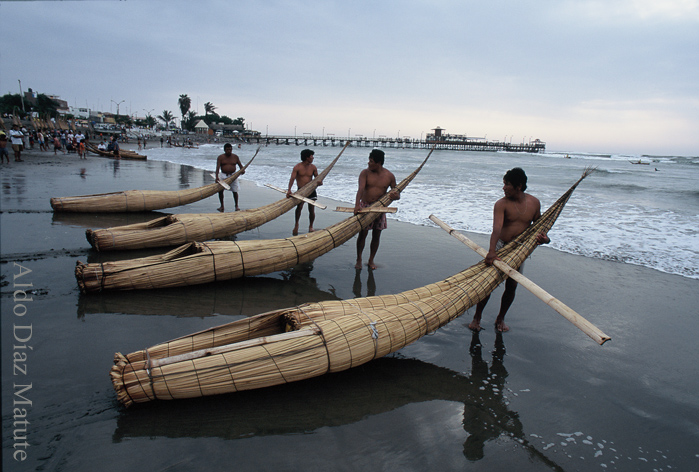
x=117, y=375
x=79, y=276
x=588, y=170
x=90, y=235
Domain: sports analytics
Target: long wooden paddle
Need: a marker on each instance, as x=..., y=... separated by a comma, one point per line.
x=298, y=197
x=568, y=313
x=368, y=209
x=221, y=182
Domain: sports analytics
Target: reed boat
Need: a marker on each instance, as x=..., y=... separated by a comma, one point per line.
x=140, y=200
x=312, y=339
x=123, y=153
x=205, y=262
x=175, y=230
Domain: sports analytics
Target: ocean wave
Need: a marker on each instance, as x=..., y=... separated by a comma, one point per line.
x=621, y=213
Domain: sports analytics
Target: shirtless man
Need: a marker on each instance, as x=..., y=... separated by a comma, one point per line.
x=373, y=183
x=227, y=163
x=303, y=173
x=512, y=214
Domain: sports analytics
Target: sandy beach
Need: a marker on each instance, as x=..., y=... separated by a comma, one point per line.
x=542, y=396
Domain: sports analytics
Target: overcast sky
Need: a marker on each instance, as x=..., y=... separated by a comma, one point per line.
x=608, y=76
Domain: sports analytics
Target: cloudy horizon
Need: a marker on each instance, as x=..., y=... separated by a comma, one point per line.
x=581, y=75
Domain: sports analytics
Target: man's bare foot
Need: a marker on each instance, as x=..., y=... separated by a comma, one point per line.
x=358, y=265
x=371, y=265
x=237, y=208
x=501, y=326
x=295, y=232
x=310, y=229
x=220, y=209
x=474, y=326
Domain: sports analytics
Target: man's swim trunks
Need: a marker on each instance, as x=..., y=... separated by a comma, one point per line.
x=234, y=184
x=500, y=244
x=379, y=223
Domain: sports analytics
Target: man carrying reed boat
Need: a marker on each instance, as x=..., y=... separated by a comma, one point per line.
x=227, y=163
x=304, y=172
x=512, y=214
x=373, y=183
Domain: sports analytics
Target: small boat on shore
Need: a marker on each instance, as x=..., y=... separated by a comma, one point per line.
x=312, y=339
x=174, y=230
x=140, y=200
x=123, y=153
x=206, y=262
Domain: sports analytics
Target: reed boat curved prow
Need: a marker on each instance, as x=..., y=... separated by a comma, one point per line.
x=311, y=339
x=139, y=200
x=224, y=260
x=183, y=228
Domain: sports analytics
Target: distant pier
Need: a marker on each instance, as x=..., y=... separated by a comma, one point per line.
x=440, y=141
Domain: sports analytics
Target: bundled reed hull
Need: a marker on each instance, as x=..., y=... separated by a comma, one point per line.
x=123, y=153
x=175, y=230
x=311, y=339
x=139, y=200
x=198, y=263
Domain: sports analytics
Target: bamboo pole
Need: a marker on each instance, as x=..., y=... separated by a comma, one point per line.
x=368, y=209
x=568, y=313
x=298, y=197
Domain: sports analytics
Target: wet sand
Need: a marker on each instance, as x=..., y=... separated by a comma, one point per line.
x=543, y=396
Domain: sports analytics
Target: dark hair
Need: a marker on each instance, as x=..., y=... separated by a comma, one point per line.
x=377, y=155
x=306, y=153
x=517, y=178
x=227, y=145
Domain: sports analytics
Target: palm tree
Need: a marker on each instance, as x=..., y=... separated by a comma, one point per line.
x=209, y=108
x=149, y=121
x=185, y=103
x=167, y=117
x=190, y=120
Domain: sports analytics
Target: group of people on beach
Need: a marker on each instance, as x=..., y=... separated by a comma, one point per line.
x=512, y=214
x=65, y=141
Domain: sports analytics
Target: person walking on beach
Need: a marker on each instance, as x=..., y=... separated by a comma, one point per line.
x=226, y=163
x=56, y=144
x=303, y=173
x=17, y=143
x=42, y=144
x=373, y=183
x=80, y=146
x=4, y=154
x=512, y=214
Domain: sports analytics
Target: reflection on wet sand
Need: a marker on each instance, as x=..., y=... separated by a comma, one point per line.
x=104, y=220
x=242, y=297
x=370, y=284
x=344, y=398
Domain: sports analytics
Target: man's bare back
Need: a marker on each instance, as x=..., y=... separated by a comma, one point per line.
x=518, y=215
